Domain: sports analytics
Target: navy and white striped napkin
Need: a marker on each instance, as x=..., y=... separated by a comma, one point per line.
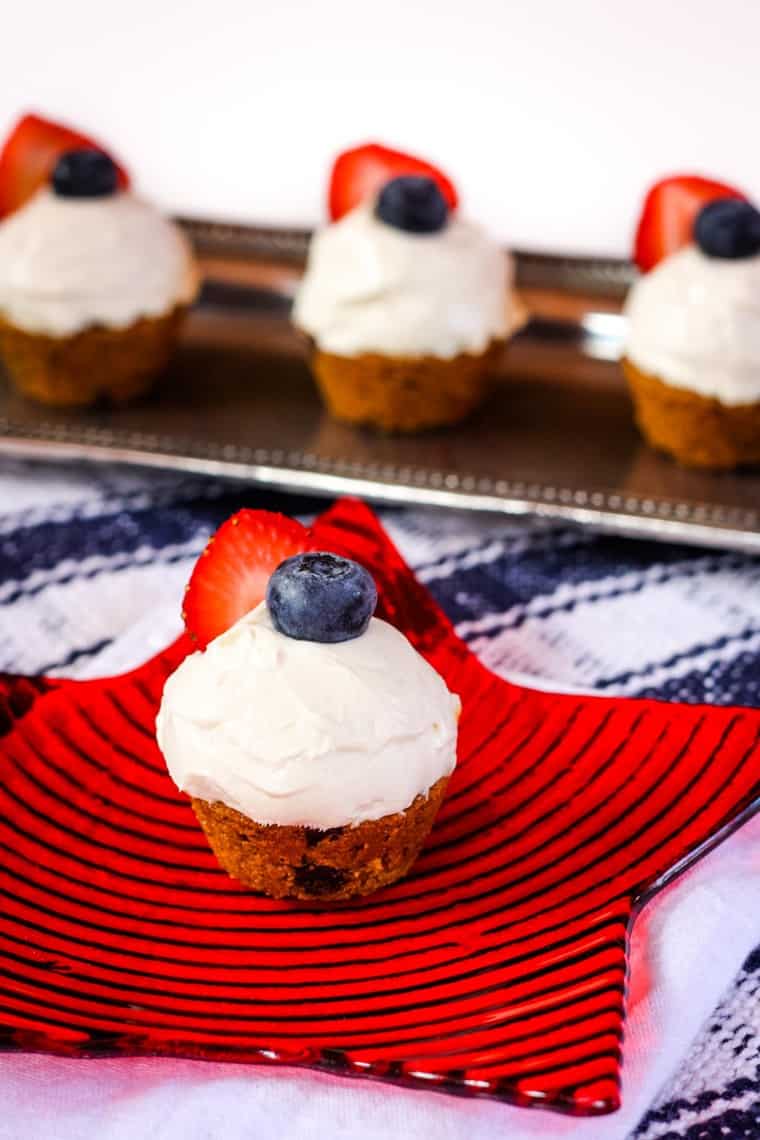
x=92, y=566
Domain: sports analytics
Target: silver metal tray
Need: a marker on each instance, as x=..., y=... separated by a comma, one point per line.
x=555, y=438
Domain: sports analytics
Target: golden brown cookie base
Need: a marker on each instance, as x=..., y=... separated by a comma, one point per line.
x=307, y=863
x=403, y=393
x=696, y=430
x=97, y=363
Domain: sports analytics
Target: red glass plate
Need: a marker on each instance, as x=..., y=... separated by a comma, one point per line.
x=497, y=968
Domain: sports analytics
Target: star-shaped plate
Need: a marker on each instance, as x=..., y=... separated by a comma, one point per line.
x=497, y=968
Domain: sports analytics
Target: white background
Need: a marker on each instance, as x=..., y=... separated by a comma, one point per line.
x=551, y=115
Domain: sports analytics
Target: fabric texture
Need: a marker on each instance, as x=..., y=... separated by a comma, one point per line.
x=92, y=567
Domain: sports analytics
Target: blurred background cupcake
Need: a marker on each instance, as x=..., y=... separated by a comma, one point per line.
x=692, y=355
x=94, y=282
x=406, y=302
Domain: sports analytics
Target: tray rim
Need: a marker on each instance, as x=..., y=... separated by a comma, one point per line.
x=627, y=515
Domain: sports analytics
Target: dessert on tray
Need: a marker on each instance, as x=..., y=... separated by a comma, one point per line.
x=314, y=740
x=692, y=356
x=94, y=281
x=405, y=301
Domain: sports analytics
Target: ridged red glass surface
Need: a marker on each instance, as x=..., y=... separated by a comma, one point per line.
x=497, y=968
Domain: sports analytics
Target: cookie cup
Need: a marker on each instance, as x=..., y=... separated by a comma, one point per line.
x=698, y=431
x=309, y=863
x=403, y=393
x=98, y=363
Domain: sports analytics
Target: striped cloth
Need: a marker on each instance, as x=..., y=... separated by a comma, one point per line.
x=92, y=566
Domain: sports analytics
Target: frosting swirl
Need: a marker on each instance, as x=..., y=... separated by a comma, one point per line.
x=694, y=322
x=370, y=287
x=68, y=263
x=301, y=733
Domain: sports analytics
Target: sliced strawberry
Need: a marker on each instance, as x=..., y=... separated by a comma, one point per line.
x=360, y=172
x=667, y=219
x=29, y=155
x=230, y=577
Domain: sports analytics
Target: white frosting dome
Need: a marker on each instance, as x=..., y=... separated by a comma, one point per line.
x=370, y=287
x=67, y=263
x=694, y=322
x=299, y=733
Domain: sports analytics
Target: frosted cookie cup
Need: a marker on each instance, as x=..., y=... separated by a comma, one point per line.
x=406, y=305
x=316, y=752
x=94, y=284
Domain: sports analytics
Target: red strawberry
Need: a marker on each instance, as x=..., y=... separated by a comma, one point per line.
x=29, y=155
x=232, y=573
x=358, y=173
x=667, y=219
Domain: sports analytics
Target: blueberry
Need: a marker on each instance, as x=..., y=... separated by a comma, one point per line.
x=321, y=597
x=84, y=173
x=412, y=203
x=728, y=228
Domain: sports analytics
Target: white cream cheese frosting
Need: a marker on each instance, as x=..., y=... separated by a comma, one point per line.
x=694, y=322
x=300, y=733
x=369, y=287
x=69, y=263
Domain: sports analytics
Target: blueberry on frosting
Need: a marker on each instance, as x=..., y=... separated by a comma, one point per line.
x=413, y=203
x=728, y=228
x=84, y=173
x=321, y=597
